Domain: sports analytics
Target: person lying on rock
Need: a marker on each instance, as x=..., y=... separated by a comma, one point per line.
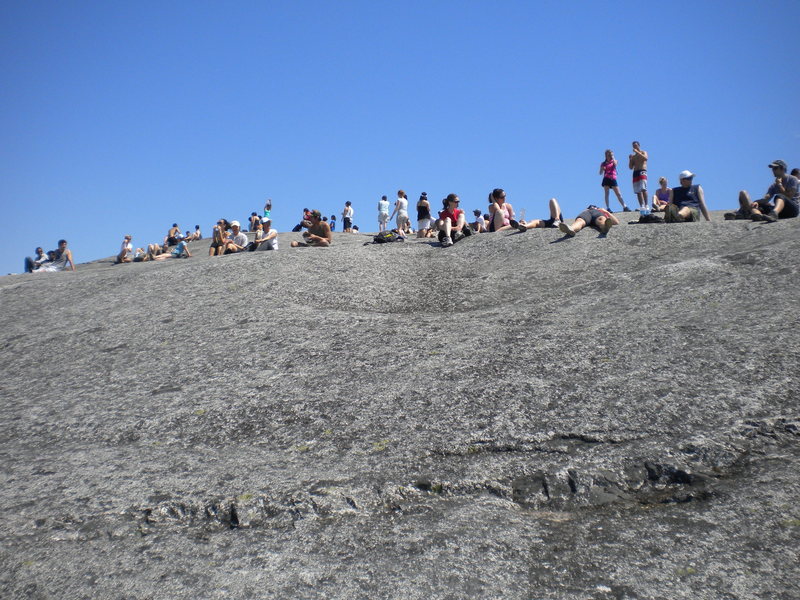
x=318, y=233
x=452, y=223
x=157, y=253
x=688, y=201
x=554, y=220
x=782, y=200
x=593, y=216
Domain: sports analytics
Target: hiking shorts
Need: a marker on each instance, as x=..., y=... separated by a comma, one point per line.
x=612, y=183
x=589, y=216
x=790, y=209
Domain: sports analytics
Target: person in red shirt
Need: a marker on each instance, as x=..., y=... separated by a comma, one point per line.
x=452, y=223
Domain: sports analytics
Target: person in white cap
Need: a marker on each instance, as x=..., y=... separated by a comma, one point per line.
x=688, y=201
x=237, y=241
x=782, y=200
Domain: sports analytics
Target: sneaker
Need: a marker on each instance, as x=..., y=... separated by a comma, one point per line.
x=446, y=241
x=467, y=231
x=458, y=236
x=771, y=217
x=758, y=217
x=625, y=209
x=564, y=228
x=513, y=223
x=730, y=216
x=521, y=228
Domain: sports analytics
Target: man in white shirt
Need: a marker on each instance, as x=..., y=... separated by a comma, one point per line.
x=237, y=241
x=126, y=250
x=269, y=237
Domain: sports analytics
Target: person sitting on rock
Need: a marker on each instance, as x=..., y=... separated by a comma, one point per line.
x=39, y=258
x=452, y=224
x=593, y=216
x=254, y=221
x=174, y=235
x=218, y=235
x=662, y=195
x=318, y=233
x=268, y=238
x=501, y=212
x=688, y=201
x=554, y=220
x=236, y=241
x=479, y=224
x=782, y=200
x=126, y=251
x=62, y=260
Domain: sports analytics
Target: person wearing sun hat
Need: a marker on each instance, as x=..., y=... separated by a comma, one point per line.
x=688, y=201
x=782, y=200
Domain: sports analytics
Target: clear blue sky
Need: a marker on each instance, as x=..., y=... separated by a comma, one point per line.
x=124, y=117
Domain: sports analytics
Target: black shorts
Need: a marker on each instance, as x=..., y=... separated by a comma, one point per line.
x=551, y=222
x=347, y=223
x=612, y=183
x=589, y=216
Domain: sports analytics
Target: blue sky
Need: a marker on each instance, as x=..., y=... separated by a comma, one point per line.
x=124, y=117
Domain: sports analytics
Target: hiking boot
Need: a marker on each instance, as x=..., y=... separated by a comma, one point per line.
x=521, y=228
x=446, y=241
x=564, y=228
x=757, y=217
x=458, y=236
x=671, y=213
x=771, y=217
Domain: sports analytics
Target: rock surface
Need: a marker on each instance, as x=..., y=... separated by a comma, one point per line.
x=517, y=416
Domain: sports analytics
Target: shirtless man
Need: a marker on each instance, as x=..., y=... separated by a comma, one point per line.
x=637, y=162
x=318, y=233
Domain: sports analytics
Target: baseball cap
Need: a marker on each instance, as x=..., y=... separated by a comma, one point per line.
x=235, y=224
x=685, y=175
x=779, y=163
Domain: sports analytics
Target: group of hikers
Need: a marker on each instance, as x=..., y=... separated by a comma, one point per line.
x=685, y=202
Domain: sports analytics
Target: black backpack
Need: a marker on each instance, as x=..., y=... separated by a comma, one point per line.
x=384, y=237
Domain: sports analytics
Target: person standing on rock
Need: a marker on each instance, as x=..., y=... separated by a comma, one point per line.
x=593, y=216
x=347, y=217
x=688, y=201
x=608, y=169
x=268, y=208
x=383, y=213
x=782, y=200
x=424, y=216
x=637, y=162
x=318, y=233
x=401, y=210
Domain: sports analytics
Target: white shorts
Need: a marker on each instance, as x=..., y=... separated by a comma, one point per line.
x=401, y=220
x=383, y=217
x=424, y=223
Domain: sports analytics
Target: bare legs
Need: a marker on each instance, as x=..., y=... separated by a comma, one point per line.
x=618, y=194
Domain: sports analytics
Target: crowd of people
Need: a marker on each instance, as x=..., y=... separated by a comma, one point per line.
x=683, y=203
